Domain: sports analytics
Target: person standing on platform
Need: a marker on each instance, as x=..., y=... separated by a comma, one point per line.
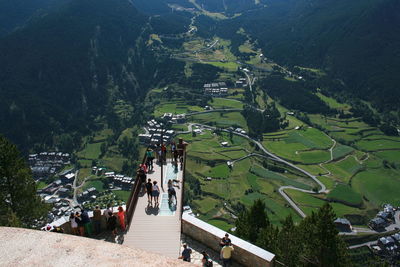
x=158, y=153
x=97, y=220
x=112, y=223
x=225, y=240
x=155, y=192
x=173, y=148
x=149, y=189
x=176, y=155
x=226, y=254
x=186, y=252
x=121, y=218
x=164, y=153
x=109, y=209
x=150, y=158
x=81, y=225
x=74, y=224
x=86, y=221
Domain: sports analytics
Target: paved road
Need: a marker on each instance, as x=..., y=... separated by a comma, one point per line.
x=372, y=243
x=74, y=188
x=249, y=81
x=278, y=159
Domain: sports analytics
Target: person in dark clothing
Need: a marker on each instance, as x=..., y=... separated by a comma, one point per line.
x=176, y=154
x=150, y=158
x=186, y=253
x=81, y=225
x=97, y=219
x=225, y=240
x=149, y=188
x=86, y=221
x=112, y=223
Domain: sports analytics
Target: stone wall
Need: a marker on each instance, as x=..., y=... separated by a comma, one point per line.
x=244, y=252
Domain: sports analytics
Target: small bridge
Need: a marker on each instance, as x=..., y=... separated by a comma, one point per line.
x=157, y=228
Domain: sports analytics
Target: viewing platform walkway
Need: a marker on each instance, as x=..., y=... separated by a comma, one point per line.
x=157, y=228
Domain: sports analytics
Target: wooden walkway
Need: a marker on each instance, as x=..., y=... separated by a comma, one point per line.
x=158, y=228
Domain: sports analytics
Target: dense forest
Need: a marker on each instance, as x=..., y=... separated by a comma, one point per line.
x=16, y=13
x=63, y=70
x=355, y=42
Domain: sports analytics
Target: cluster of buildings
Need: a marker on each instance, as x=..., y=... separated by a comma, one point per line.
x=216, y=89
x=156, y=133
x=388, y=245
x=237, y=130
x=45, y=164
x=173, y=118
x=61, y=207
x=87, y=195
x=384, y=218
x=61, y=187
x=241, y=83
x=59, y=194
x=119, y=180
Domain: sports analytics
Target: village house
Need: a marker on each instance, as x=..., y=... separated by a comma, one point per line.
x=343, y=225
x=63, y=192
x=216, y=89
x=378, y=223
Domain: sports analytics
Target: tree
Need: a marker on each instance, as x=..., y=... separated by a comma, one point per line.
x=19, y=204
x=251, y=222
x=322, y=244
x=289, y=247
x=314, y=242
x=103, y=149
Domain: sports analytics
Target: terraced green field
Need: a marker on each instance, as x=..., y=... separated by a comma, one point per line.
x=345, y=194
x=234, y=185
x=333, y=102
x=378, y=145
x=310, y=137
x=91, y=151
x=218, y=103
x=221, y=119
x=309, y=203
x=308, y=146
x=379, y=186
x=175, y=107
x=261, y=172
x=297, y=152
x=340, y=151
x=96, y=183
x=390, y=155
x=344, y=169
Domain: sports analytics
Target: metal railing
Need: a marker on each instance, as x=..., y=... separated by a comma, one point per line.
x=134, y=195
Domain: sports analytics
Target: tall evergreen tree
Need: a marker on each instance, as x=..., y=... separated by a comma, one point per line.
x=19, y=204
x=322, y=244
x=250, y=222
x=289, y=243
x=314, y=242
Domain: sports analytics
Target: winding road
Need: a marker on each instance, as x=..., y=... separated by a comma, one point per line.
x=278, y=159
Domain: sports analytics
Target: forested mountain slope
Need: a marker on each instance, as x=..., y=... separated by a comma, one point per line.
x=60, y=72
x=15, y=13
x=357, y=42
